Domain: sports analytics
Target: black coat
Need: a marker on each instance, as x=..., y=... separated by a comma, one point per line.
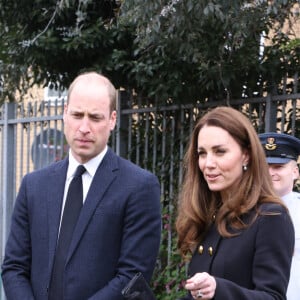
x=253, y=265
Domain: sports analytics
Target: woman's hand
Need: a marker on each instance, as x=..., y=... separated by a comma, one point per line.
x=201, y=286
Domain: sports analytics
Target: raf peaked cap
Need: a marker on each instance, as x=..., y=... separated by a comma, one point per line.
x=280, y=148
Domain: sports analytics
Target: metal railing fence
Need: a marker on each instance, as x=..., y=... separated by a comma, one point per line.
x=150, y=135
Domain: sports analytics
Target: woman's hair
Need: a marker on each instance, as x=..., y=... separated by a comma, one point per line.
x=198, y=206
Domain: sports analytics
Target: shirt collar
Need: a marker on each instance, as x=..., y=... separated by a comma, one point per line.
x=91, y=166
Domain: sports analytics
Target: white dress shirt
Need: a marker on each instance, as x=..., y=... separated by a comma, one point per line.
x=292, y=201
x=87, y=177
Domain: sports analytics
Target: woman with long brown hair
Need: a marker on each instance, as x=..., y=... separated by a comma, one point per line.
x=236, y=232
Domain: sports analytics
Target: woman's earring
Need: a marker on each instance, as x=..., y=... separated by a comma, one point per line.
x=245, y=168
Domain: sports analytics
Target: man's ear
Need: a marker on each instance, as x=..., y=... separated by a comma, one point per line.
x=296, y=172
x=113, y=120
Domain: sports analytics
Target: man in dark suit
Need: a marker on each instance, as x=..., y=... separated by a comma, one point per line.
x=117, y=232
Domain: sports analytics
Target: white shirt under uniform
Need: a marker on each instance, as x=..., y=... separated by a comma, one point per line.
x=292, y=201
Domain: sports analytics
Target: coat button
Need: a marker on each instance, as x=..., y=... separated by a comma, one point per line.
x=210, y=251
x=200, y=249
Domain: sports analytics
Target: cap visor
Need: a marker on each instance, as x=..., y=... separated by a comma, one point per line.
x=277, y=160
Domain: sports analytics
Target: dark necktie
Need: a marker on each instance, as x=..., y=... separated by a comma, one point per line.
x=71, y=212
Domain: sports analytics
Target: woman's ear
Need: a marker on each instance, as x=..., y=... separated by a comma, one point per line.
x=246, y=157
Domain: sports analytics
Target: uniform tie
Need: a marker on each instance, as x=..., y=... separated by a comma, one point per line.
x=71, y=212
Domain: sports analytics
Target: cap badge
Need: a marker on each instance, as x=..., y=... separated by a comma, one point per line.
x=270, y=145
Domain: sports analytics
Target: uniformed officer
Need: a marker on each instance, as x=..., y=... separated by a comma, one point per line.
x=282, y=152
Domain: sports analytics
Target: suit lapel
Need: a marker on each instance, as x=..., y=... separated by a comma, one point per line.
x=55, y=192
x=103, y=178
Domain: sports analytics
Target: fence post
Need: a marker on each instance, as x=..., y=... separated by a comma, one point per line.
x=8, y=171
x=122, y=124
x=271, y=115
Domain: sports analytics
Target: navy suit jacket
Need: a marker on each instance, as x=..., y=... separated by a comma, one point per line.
x=254, y=265
x=117, y=234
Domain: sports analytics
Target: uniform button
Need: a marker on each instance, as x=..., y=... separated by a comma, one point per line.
x=200, y=249
x=210, y=251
